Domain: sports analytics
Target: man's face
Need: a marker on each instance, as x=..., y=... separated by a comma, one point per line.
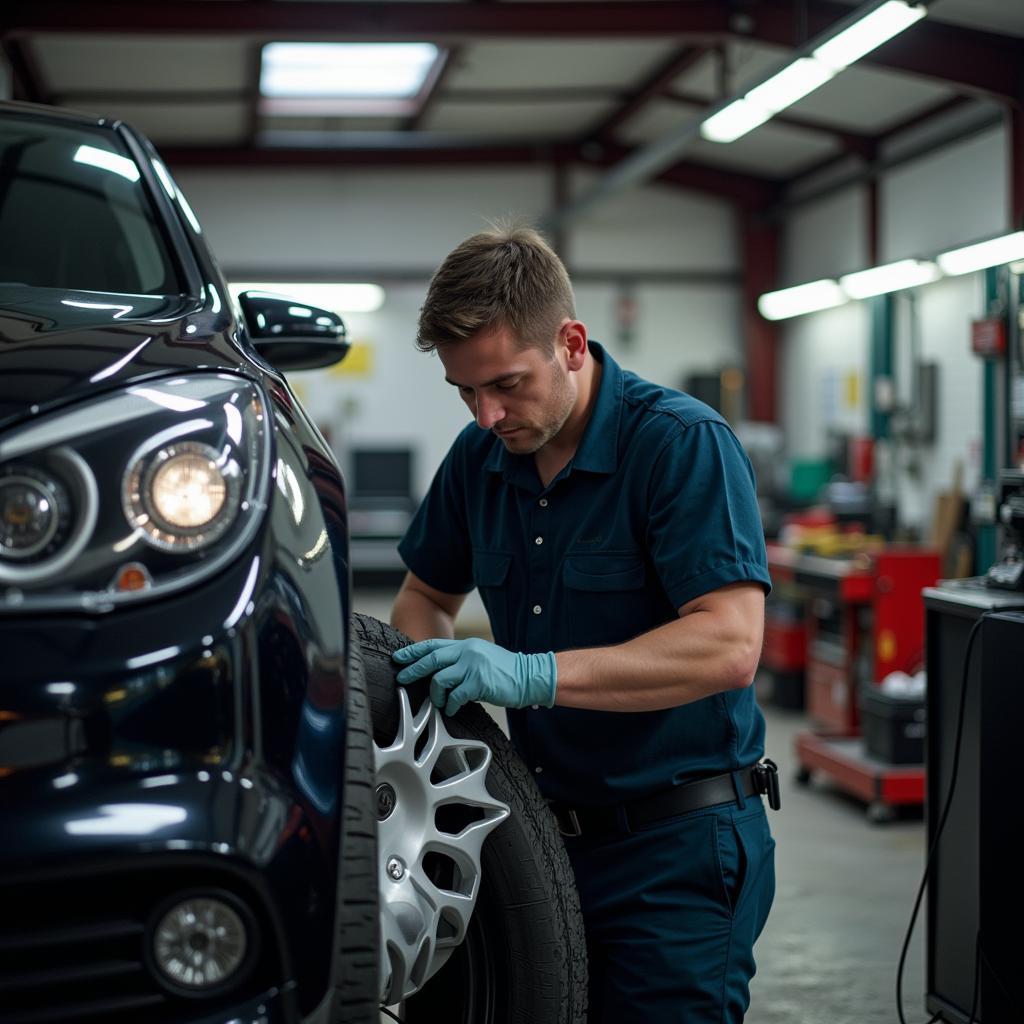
x=520, y=394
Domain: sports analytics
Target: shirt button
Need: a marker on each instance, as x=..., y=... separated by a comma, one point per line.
x=537, y=609
x=538, y=769
x=538, y=540
x=543, y=502
x=536, y=707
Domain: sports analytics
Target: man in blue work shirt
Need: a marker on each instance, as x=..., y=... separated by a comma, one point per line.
x=612, y=530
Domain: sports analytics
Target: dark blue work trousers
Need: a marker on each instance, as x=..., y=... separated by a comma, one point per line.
x=671, y=914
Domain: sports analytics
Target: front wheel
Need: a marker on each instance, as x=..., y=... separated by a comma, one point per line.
x=519, y=955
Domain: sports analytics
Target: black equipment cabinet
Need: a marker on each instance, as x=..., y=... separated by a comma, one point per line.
x=977, y=881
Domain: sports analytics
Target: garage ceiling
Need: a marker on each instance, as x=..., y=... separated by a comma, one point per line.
x=522, y=81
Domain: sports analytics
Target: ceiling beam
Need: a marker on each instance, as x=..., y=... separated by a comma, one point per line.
x=152, y=97
x=654, y=84
x=393, y=21
x=516, y=152
x=985, y=122
x=870, y=151
x=978, y=62
x=749, y=191
x=856, y=142
x=537, y=94
x=743, y=189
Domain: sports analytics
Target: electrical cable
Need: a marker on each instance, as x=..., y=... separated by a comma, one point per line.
x=942, y=824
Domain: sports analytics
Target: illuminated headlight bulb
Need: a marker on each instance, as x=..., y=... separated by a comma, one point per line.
x=188, y=490
x=182, y=496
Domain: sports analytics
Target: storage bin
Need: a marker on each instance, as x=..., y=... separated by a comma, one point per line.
x=893, y=727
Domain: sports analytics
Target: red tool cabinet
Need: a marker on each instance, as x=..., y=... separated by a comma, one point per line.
x=864, y=619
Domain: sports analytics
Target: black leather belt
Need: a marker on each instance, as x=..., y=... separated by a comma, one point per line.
x=760, y=779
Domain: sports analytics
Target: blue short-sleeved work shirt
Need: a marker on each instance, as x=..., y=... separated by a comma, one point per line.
x=656, y=508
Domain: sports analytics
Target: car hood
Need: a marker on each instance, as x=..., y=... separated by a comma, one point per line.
x=58, y=346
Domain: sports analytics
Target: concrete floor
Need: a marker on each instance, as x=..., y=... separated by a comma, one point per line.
x=845, y=890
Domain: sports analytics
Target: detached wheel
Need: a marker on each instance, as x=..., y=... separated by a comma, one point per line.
x=479, y=913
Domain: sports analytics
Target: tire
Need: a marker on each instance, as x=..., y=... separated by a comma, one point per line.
x=356, y=993
x=523, y=960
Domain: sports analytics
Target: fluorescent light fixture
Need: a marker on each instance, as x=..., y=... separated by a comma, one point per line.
x=340, y=298
x=993, y=253
x=804, y=298
x=889, y=278
x=869, y=33
x=350, y=70
x=733, y=121
x=107, y=161
x=804, y=75
x=792, y=83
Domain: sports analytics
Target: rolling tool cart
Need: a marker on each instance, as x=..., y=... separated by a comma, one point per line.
x=784, y=655
x=865, y=620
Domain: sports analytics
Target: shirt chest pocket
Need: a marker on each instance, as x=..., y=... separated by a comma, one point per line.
x=490, y=574
x=606, y=599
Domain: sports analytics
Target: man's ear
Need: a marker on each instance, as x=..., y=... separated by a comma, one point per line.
x=574, y=335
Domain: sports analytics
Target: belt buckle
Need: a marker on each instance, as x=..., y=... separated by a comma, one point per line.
x=567, y=814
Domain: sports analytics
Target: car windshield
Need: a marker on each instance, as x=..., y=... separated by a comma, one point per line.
x=75, y=214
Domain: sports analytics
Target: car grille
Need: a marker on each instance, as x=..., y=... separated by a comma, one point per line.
x=73, y=948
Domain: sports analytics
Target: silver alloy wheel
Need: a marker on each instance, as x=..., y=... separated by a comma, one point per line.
x=429, y=844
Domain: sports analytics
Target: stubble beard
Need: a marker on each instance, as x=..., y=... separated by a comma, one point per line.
x=531, y=439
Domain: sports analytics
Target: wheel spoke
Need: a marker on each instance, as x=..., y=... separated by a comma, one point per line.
x=430, y=844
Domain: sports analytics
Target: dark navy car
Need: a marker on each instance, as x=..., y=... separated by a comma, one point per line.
x=200, y=746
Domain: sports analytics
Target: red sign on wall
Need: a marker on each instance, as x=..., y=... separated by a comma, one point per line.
x=988, y=337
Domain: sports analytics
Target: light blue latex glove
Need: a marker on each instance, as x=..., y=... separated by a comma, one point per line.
x=467, y=670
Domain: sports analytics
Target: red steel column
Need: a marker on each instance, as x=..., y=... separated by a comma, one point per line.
x=1015, y=118
x=760, y=248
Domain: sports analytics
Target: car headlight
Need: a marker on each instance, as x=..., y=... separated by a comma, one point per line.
x=182, y=496
x=33, y=508
x=136, y=493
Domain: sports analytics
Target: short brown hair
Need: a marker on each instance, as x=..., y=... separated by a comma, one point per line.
x=505, y=277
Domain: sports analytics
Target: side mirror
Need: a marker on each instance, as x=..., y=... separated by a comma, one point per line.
x=292, y=336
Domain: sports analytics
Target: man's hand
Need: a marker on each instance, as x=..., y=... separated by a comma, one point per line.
x=467, y=670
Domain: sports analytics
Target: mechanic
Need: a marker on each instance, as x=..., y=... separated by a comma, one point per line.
x=611, y=527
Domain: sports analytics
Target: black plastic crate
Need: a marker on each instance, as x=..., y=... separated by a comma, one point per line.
x=893, y=727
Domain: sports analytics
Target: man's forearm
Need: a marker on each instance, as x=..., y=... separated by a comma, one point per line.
x=416, y=615
x=677, y=663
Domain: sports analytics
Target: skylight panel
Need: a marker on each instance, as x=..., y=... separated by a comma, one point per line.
x=345, y=70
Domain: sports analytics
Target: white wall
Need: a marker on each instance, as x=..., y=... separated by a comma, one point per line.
x=819, y=355
x=826, y=238
x=955, y=196
x=944, y=312
x=952, y=196
x=333, y=221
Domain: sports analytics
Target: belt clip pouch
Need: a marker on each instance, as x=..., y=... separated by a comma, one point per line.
x=766, y=782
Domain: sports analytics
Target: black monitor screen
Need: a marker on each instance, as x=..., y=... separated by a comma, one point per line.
x=382, y=473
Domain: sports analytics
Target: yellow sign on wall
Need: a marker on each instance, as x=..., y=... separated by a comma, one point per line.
x=358, y=362
x=852, y=390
